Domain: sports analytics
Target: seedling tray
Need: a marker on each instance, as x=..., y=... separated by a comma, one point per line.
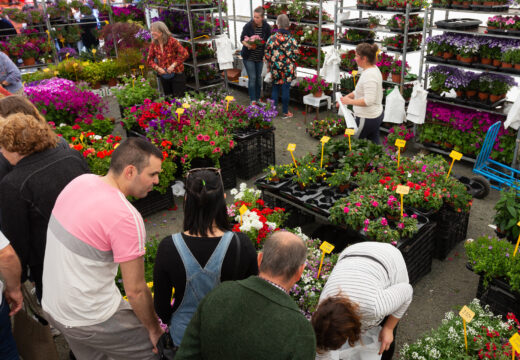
x=459, y=24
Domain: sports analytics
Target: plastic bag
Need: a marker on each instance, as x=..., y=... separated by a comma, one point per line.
x=178, y=188
x=268, y=78
x=347, y=114
x=417, y=106
x=513, y=117
x=394, y=109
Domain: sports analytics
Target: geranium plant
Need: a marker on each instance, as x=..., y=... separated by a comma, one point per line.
x=314, y=84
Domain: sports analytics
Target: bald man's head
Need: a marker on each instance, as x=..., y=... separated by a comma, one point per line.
x=283, y=254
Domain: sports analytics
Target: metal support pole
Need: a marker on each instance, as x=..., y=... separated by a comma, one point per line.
x=222, y=33
x=405, y=45
x=515, y=155
x=111, y=21
x=319, y=36
x=49, y=29
x=235, y=23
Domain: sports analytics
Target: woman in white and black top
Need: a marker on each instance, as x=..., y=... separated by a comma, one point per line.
x=367, y=288
x=253, y=58
x=367, y=98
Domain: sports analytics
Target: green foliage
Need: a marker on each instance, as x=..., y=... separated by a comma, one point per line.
x=133, y=91
x=508, y=213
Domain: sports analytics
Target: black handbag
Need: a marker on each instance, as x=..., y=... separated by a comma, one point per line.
x=166, y=347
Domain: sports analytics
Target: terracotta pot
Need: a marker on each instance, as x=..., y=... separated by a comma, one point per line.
x=488, y=3
x=317, y=94
x=497, y=62
x=458, y=57
x=459, y=93
x=466, y=4
x=112, y=82
x=447, y=55
x=466, y=60
x=471, y=93
x=517, y=66
x=396, y=78
x=483, y=96
x=439, y=53
x=494, y=98
x=29, y=61
x=485, y=61
x=385, y=75
x=343, y=188
x=491, y=27
x=253, y=47
x=96, y=85
x=507, y=65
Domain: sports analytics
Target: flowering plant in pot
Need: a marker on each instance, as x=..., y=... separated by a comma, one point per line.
x=330, y=126
x=341, y=178
x=437, y=78
x=275, y=173
x=435, y=45
x=373, y=21
x=261, y=116
x=397, y=132
x=508, y=58
x=467, y=49
x=254, y=41
x=395, y=69
x=315, y=85
x=487, y=337
x=29, y=51
x=490, y=49
x=383, y=230
x=459, y=81
x=133, y=91
x=499, y=86
x=306, y=292
x=347, y=61
x=308, y=172
x=385, y=64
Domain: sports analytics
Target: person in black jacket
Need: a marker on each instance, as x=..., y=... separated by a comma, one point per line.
x=41, y=169
x=253, y=56
x=207, y=252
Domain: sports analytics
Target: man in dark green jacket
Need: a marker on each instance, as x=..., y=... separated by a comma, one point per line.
x=255, y=318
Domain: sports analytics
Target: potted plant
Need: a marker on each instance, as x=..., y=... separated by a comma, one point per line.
x=254, y=41
x=499, y=85
x=373, y=21
x=396, y=70
x=314, y=85
x=276, y=173
x=341, y=178
x=261, y=116
x=397, y=132
x=515, y=57
x=508, y=214
x=308, y=172
x=507, y=58
x=438, y=76
x=109, y=72
x=29, y=52
x=385, y=64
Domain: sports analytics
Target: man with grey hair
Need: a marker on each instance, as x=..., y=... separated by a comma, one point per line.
x=255, y=318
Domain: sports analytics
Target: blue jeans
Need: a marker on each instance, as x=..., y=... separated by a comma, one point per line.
x=285, y=95
x=8, y=349
x=254, y=72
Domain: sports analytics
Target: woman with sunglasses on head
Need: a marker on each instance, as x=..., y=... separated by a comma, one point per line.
x=367, y=98
x=190, y=264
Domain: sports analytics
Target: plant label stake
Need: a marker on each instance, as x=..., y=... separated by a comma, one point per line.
x=515, y=344
x=228, y=99
x=467, y=315
x=141, y=67
x=185, y=106
x=402, y=190
x=46, y=70
x=133, y=83
x=291, y=148
x=326, y=248
x=354, y=73
x=242, y=211
x=517, y=242
x=75, y=65
x=454, y=155
x=94, y=51
x=173, y=297
x=400, y=143
x=323, y=140
x=349, y=133
x=56, y=73
x=67, y=56
x=179, y=112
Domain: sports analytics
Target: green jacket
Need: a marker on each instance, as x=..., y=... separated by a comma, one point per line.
x=248, y=319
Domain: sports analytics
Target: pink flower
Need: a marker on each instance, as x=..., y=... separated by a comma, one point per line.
x=394, y=243
x=212, y=143
x=200, y=137
x=384, y=222
x=346, y=210
x=414, y=216
x=366, y=222
x=358, y=204
x=374, y=203
x=206, y=137
x=216, y=132
x=400, y=225
x=365, y=229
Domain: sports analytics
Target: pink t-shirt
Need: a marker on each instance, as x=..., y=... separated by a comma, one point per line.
x=92, y=229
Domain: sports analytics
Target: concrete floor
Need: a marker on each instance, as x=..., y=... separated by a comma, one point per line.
x=448, y=285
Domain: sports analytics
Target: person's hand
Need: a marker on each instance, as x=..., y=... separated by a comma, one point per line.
x=172, y=67
x=154, y=337
x=14, y=299
x=5, y=83
x=386, y=337
x=345, y=100
x=161, y=71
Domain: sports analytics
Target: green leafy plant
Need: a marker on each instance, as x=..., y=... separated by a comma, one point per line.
x=508, y=213
x=340, y=177
x=133, y=91
x=276, y=173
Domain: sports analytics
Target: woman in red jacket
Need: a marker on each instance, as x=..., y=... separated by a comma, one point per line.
x=166, y=56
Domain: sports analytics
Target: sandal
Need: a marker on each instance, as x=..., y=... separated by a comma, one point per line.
x=288, y=115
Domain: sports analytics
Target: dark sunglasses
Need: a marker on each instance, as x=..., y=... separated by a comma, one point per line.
x=215, y=170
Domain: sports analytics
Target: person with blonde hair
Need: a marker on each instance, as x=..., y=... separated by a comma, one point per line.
x=41, y=169
x=166, y=56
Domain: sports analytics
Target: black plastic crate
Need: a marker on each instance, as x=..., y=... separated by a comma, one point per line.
x=499, y=296
x=229, y=175
x=254, y=152
x=154, y=202
x=297, y=217
x=452, y=227
x=417, y=253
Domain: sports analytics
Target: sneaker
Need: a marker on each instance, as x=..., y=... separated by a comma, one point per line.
x=261, y=103
x=253, y=102
x=288, y=115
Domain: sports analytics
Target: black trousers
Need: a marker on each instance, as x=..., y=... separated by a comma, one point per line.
x=175, y=87
x=370, y=130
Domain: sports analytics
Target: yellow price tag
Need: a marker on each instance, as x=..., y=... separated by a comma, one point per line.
x=243, y=209
x=75, y=65
x=350, y=132
x=81, y=137
x=141, y=66
x=180, y=111
x=273, y=172
x=185, y=106
x=56, y=73
x=229, y=98
x=517, y=242
x=325, y=139
x=106, y=22
x=354, y=73
x=326, y=247
x=67, y=55
x=172, y=297
x=515, y=342
x=46, y=70
x=402, y=189
x=291, y=147
x=467, y=314
x=400, y=143
x=455, y=155
x=94, y=51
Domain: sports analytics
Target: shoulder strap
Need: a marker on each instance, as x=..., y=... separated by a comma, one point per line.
x=237, y=257
x=368, y=257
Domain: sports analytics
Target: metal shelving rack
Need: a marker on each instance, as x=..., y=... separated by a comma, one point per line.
x=193, y=40
x=339, y=8
x=428, y=30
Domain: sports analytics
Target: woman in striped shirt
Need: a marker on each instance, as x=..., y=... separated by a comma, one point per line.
x=367, y=292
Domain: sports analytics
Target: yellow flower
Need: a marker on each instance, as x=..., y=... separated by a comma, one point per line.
x=125, y=297
x=149, y=284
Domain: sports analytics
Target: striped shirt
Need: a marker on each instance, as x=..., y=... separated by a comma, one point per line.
x=93, y=228
x=258, y=53
x=379, y=291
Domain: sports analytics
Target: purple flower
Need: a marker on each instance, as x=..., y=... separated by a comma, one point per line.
x=490, y=247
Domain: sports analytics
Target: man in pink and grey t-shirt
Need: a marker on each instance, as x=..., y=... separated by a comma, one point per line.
x=93, y=230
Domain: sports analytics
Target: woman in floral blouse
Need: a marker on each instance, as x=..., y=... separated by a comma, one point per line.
x=281, y=53
x=166, y=56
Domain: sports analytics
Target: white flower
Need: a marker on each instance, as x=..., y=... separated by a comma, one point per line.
x=271, y=225
x=63, y=124
x=243, y=186
x=233, y=191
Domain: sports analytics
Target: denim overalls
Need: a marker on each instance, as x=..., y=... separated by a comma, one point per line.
x=199, y=282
